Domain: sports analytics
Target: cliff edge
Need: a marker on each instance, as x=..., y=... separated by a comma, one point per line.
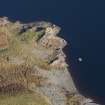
x=33, y=70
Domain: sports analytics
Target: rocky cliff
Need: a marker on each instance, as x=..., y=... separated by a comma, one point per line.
x=33, y=70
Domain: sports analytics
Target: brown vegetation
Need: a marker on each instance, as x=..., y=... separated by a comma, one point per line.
x=15, y=78
x=3, y=40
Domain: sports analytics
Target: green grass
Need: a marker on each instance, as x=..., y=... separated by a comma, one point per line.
x=30, y=34
x=39, y=35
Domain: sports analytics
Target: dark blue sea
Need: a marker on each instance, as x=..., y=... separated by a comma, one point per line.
x=83, y=26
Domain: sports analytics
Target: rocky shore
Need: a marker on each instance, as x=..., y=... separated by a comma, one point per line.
x=32, y=59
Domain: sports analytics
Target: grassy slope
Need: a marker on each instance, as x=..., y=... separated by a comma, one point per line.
x=21, y=45
x=24, y=99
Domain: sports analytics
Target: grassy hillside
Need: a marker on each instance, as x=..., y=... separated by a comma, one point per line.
x=26, y=98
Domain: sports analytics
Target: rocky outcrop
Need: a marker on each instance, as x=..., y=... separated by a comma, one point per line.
x=34, y=61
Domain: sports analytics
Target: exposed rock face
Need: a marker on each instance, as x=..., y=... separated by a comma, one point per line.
x=32, y=59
